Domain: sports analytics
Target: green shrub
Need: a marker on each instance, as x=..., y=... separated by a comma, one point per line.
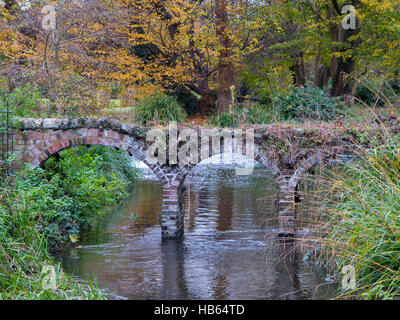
x=366, y=94
x=42, y=209
x=243, y=115
x=42, y=197
x=308, y=103
x=26, y=207
x=113, y=162
x=90, y=190
x=159, y=108
x=23, y=101
x=378, y=92
x=94, y=178
x=71, y=193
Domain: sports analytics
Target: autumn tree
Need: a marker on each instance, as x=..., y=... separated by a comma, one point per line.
x=200, y=47
x=307, y=40
x=225, y=66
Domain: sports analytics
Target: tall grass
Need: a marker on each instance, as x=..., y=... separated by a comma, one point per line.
x=355, y=211
x=360, y=222
x=378, y=93
x=158, y=108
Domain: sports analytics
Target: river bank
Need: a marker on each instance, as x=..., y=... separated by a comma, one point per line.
x=44, y=211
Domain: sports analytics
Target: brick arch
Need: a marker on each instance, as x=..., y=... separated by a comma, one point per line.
x=259, y=156
x=47, y=143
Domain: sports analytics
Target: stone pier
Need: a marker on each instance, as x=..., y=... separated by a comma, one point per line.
x=172, y=215
x=288, y=183
x=286, y=206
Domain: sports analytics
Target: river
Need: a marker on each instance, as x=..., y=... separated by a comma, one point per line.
x=225, y=254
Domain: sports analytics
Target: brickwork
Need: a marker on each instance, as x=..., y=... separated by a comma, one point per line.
x=172, y=217
x=286, y=206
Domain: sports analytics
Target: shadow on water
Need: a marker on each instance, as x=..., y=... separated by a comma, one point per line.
x=224, y=253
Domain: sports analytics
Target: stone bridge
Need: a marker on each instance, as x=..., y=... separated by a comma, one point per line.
x=288, y=151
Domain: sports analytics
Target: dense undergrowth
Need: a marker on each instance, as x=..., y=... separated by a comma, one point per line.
x=43, y=210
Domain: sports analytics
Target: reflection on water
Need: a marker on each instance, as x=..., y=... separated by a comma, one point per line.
x=224, y=253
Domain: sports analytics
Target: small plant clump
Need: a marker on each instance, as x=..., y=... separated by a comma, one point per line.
x=158, y=108
x=24, y=101
x=308, y=103
x=243, y=115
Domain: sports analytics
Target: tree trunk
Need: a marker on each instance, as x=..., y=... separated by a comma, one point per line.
x=320, y=72
x=341, y=85
x=200, y=67
x=299, y=71
x=321, y=77
x=341, y=67
x=334, y=35
x=226, y=72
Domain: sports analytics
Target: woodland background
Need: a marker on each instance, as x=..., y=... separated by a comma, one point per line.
x=105, y=56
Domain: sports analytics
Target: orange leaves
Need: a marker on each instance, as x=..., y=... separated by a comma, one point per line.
x=139, y=44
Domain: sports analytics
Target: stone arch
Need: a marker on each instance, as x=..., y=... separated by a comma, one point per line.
x=259, y=156
x=173, y=207
x=44, y=144
x=288, y=193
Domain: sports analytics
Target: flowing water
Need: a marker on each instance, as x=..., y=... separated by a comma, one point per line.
x=225, y=253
